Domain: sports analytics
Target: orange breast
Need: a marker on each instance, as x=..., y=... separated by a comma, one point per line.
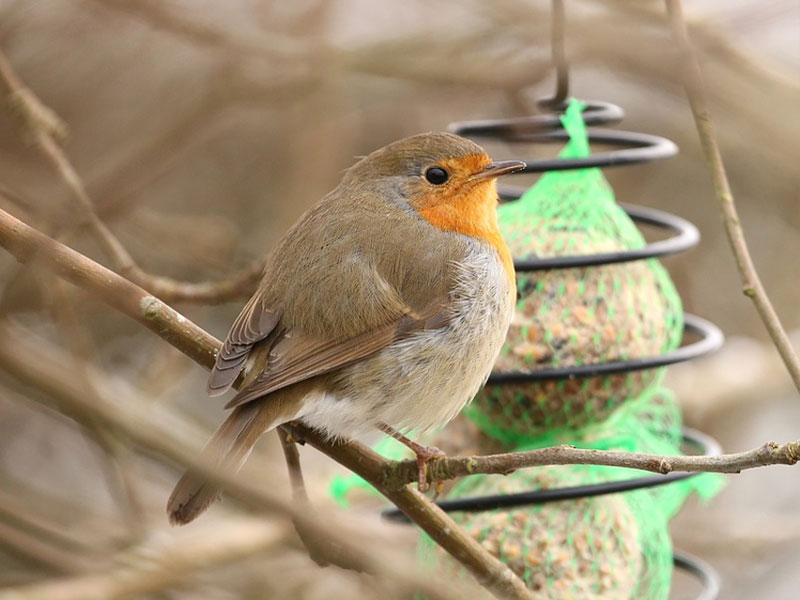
x=471, y=212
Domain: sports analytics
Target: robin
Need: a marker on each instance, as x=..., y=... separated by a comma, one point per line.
x=383, y=307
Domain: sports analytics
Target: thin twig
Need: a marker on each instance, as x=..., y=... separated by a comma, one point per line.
x=289, y=445
x=240, y=285
x=299, y=495
x=46, y=128
x=751, y=283
x=28, y=244
x=450, y=468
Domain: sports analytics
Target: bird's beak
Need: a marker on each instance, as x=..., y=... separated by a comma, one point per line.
x=496, y=169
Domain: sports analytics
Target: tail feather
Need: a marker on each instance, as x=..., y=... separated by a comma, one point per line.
x=228, y=448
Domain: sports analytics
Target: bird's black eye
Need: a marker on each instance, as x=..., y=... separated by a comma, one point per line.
x=436, y=175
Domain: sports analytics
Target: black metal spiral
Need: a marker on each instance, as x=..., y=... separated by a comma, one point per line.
x=701, y=570
x=635, y=148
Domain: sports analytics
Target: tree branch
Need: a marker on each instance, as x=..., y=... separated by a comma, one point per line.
x=44, y=367
x=46, y=128
x=317, y=552
x=440, y=469
x=26, y=243
x=751, y=282
x=239, y=285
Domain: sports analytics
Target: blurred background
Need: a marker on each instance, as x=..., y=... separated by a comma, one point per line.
x=203, y=129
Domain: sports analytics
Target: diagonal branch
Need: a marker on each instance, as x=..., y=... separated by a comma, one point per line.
x=43, y=366
x=316, y=551
x=46, y=128
x=751, y=282
x=25, y=243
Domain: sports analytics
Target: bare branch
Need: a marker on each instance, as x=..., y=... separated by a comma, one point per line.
x=240, y=285
x=751, y=282
x=36, y=115
x=300, y=497
x=450, y=468
x=25, y=243
x=363, y=461
x=293, y=465
x=46, y=127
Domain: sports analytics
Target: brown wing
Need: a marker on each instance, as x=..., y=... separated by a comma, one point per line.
x=346, y=256
x=253, y=324
x=294, y=358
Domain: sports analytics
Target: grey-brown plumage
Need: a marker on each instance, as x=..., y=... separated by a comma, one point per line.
x=386, y=303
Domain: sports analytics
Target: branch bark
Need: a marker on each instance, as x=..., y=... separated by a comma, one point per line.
x=46, y=129
x=751, y=282
x=317, y=552
x=440, y=469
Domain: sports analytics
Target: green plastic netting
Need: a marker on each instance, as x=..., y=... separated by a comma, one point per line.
x=577, y=316
x=609, y=547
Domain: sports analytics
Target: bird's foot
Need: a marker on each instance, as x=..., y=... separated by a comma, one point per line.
x=424, y=455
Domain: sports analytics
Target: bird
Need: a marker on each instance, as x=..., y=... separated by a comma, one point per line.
x=383, y=307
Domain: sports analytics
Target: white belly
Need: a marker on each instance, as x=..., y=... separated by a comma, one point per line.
x=425, y=380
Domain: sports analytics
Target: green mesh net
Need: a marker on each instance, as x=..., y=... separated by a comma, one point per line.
x=609, y=547
x=568, y=317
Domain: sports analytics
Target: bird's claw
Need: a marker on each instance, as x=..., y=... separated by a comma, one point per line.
x=424, y=455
